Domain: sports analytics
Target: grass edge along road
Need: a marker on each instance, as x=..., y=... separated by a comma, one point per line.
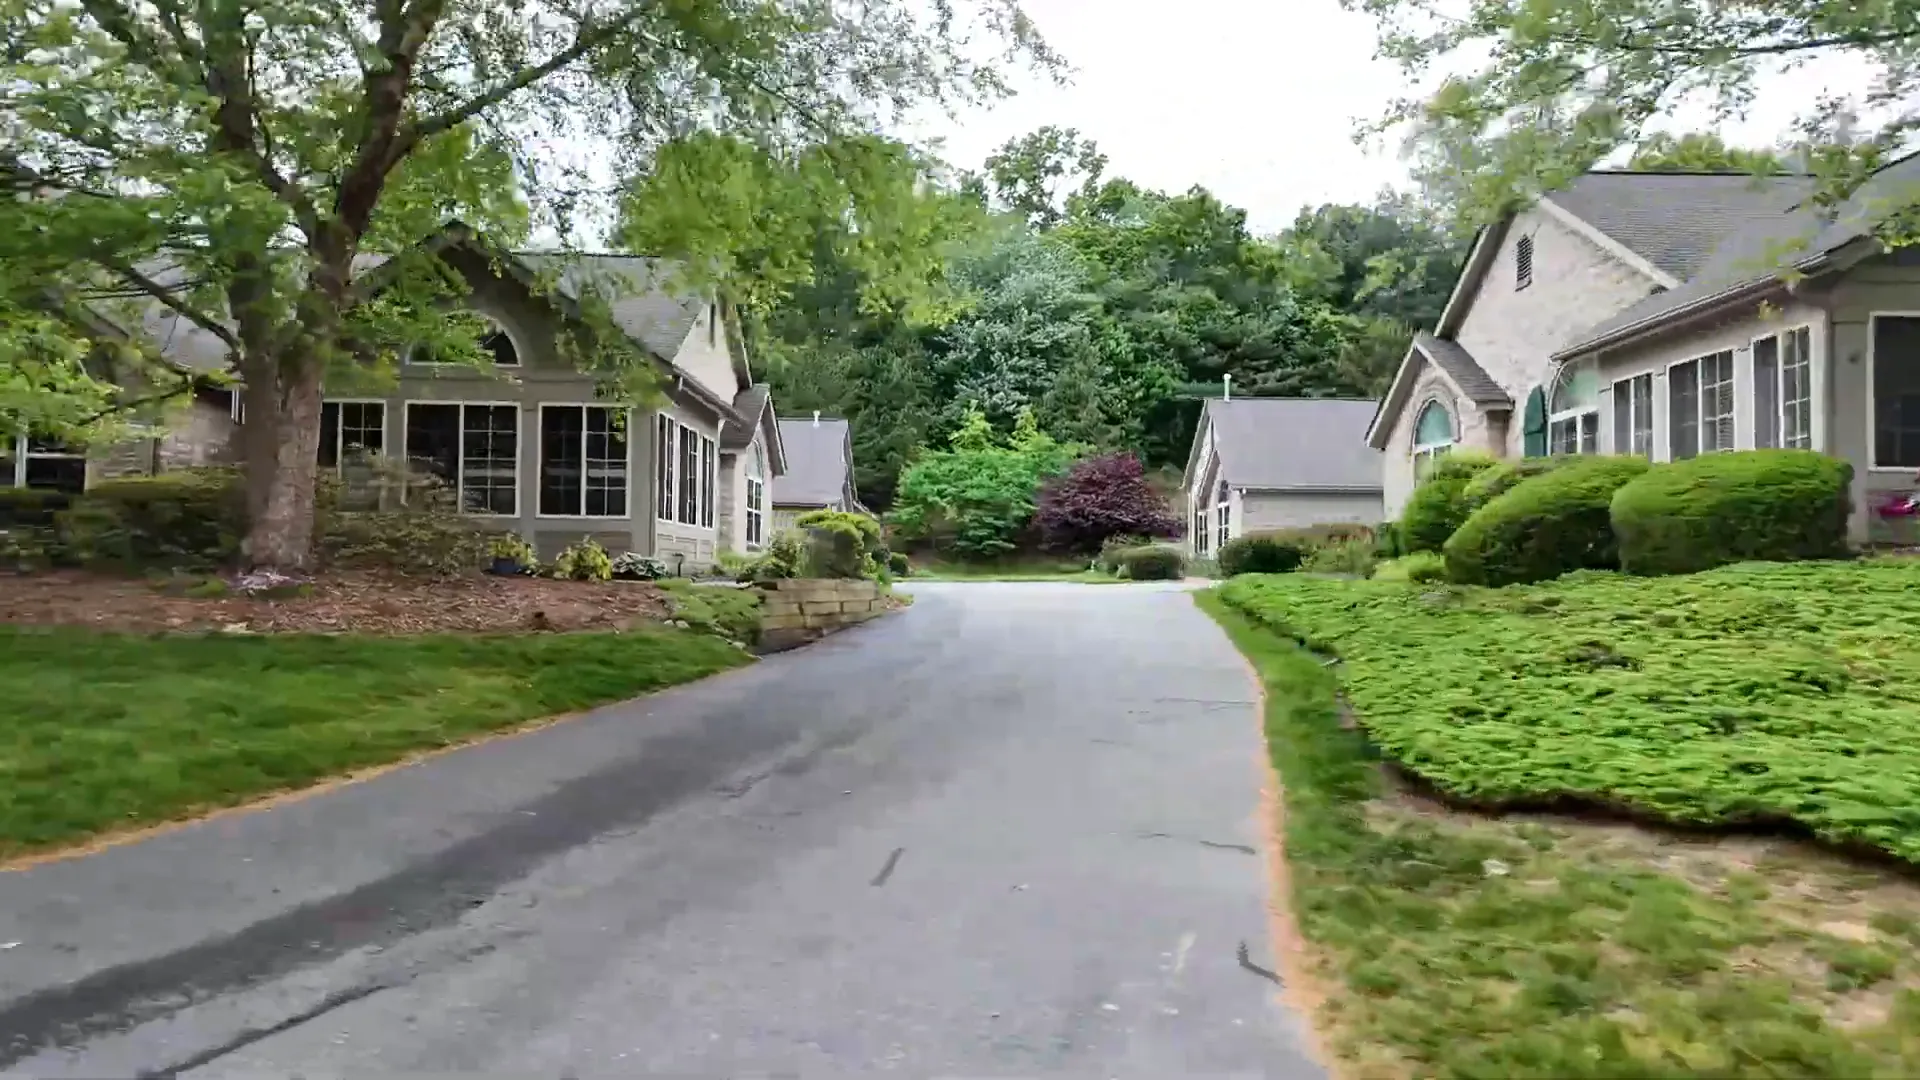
x=103, y=733
x=1467, y=946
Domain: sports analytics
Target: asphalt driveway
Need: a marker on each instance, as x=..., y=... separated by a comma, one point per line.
x=1010, y=831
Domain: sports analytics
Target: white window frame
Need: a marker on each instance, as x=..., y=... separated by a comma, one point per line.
x=540, y=459
x=1433, y=451
x=666, y=470
x=1574, y=415
x=519, y=351
x=1621, y=397
x=21, y=454
x=1777, y=423
x=339, y=440
x=1223, y=517
x=1873, y=436
x=706, y=464
x=460, y=460
x=1700, y=403
x=754, y=528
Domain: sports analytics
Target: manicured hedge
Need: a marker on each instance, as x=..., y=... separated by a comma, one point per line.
x=1270, y=552
x=1544, y=526
x=1438, y=505
x=191, y=518
x=1152, y=564
x=1767, y=505
x=1492, y=483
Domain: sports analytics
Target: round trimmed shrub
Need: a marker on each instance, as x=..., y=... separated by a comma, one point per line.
x=1764, y=505
x=1544, y=526
x=1279, y=551
x=1492, y=483
x=1152, y=564
x=898, y=565
x=1438, y=505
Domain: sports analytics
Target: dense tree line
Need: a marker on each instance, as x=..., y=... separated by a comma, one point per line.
x=1106, y=309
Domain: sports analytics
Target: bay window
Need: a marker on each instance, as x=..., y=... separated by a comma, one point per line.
x=1700, y=406
x=583, y=462
x=1573, y=411
x=473, y=447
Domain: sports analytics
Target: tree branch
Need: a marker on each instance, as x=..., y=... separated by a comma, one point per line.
x=184, y=386
x=583, y=43
x=1776, y=48
x=169, y=298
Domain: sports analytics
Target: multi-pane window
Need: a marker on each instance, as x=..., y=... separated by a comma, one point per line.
x=47, y=464
x=1783, y=390
x=1633, y=416
x=350, y=428
x=756, y=511
x=1573, y=411
x=1896, y=391
x=665, y=465
x=687, y=473
x=583, y=462
x=709, y=457
x=1200, y=532
x=474, y=448
x=1223, y=516
x=689, y=477
x=1432, y=437
x=1700, y=406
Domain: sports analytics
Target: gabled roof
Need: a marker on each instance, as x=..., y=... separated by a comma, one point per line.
x=1291, y=444
x=819, y=461
x=1675, y=220
x=754, y=408
x=1799, y=237
x=1454, y=363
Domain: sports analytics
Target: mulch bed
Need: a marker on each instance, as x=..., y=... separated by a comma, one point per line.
x=364, y=603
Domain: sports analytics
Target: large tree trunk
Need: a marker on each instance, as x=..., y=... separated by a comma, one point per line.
x=282, y=440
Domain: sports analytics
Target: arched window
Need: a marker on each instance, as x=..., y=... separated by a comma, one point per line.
x=497, y=343
x=1433, y=435
x=1573, y=411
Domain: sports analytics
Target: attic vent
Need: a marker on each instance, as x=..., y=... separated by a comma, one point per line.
x=1522, y=263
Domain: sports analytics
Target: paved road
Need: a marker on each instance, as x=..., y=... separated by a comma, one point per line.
x=1009, y=831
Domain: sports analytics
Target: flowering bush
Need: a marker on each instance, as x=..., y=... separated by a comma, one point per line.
x=1098, y=498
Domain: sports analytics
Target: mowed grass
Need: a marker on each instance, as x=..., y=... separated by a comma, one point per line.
x=1455, y=945
x=1757, y=694
x=101, y=732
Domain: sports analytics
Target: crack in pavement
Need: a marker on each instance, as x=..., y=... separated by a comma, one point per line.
x=886, y=871
x=1246, y=961
x=1244, y=849
x=250, y=1036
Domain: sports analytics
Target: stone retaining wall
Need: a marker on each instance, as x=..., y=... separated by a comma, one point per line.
x=800, y=610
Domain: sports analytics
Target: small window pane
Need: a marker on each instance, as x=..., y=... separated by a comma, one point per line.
x=490, y=445
x=433, y=441
x=664, y=454
x=562, y=472
x=1683, y=410
x=1716, y=402
x=329, y=435
x=500, y=347
x=606, y=492
x=362, y=428
x=1643, y=415
x=689, y=477
x=1766, y=393
x=1435, y=426
x=1796, y=391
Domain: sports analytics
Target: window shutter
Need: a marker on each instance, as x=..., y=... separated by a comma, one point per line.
x=1534, y=424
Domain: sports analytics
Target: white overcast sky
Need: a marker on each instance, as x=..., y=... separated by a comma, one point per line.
x=1257, y=100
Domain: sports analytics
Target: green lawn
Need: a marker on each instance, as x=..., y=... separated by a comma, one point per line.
x=101, y=732
x=1759, y=693
x=1460, y=946
x=1028, y=568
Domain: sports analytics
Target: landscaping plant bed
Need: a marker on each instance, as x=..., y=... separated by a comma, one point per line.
x=336, y=602
x=1757, y=694
x=1450, y=944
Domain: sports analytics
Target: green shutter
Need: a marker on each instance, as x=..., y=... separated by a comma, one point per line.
x=1535, y=424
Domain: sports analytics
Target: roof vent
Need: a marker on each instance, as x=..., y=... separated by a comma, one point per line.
x=816, y=418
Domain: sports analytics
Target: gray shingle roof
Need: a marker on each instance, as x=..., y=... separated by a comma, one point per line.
x=817, y=462
x=1303, y=444
x=748, y=405
x=1463, y=369
x=1764, y=246
x=641, y=292
x=1675, y=220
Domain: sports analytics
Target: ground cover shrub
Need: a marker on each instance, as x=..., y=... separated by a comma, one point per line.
x=1439, y=504
x=1100, y=498
x=976, y=500
x=726, y=610
x=584, y=560
x=1462, y=945
x=1152, y=563
x=1785, y=692
x=784, y=553
x=1544, y=526
x=633, y=566
x=1770, y=505
x=1276, y=551
x=1386, y=540
x=1420, y=567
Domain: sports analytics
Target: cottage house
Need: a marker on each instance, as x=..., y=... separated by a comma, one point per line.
x=1277, y=463
x=1671, y=315
x=819, y=472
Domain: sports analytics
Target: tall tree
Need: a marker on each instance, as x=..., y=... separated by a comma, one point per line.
x=1699, y=152
x=1560, y=85
x=233, y=160
x=1037, y=174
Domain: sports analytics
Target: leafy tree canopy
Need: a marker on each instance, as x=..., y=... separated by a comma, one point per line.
x=1699, y=152
x=236, y=161
x=1552, y=88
